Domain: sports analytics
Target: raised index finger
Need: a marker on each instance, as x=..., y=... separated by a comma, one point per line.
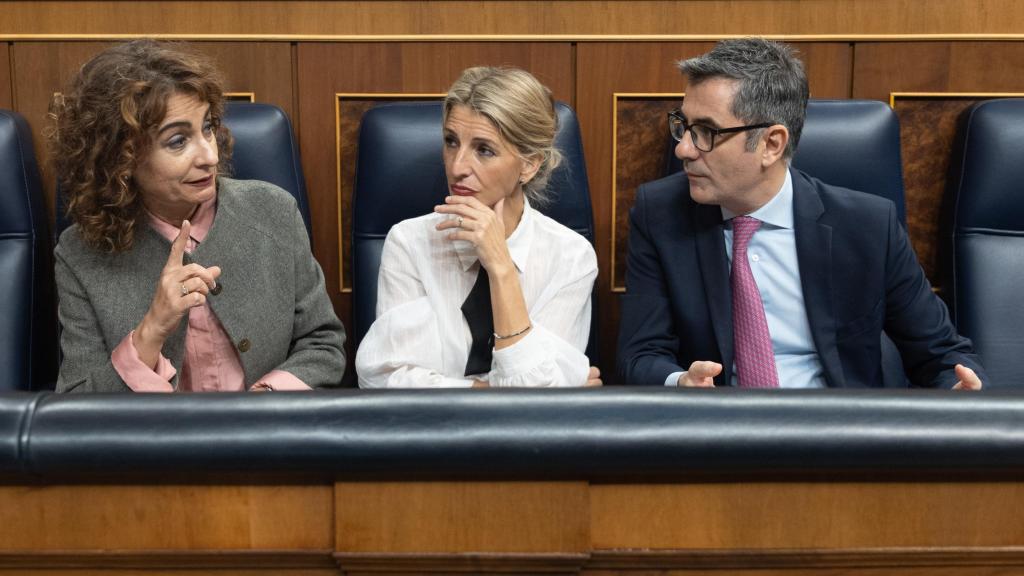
x=178, y=246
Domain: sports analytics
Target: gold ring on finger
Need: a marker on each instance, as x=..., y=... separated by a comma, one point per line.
x=184, y=289
x=460, y=221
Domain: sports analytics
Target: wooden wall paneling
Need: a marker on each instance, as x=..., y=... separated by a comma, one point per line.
x=884, y=67
x=6, y=88
x=699, y=17
x=171, y=526
x=529, y=527
x=800, y=527
x=944, y=72
x=945, y=528
x=645, y=77
x=262, y=68
x=43, y=68
x=328, y=69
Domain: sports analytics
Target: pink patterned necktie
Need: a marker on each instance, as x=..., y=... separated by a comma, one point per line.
x=755, y=361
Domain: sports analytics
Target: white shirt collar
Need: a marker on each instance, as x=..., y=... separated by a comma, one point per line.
x=518, y=243
x=778, y=212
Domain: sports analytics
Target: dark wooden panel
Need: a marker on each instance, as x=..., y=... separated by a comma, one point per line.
x=927, y=130
x=633, y=70
x=6, y=89
x=942, y=73
x=43, y=68
x=358, y=71
x=642, y=147
x=701, y=17
x=263, y=68
x=883, y=68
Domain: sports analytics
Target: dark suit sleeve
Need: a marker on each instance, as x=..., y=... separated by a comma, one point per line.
x=918, y=321
x=647, y=338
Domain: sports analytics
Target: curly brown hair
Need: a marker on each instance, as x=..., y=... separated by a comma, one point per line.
x=104, y=125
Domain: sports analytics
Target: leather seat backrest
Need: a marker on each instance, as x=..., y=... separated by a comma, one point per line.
x=985, y=266
x=28, y=347
x=266, y=149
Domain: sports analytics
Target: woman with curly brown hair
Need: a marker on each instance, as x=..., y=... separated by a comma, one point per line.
x=140, y=153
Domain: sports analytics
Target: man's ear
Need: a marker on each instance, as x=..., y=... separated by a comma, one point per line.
x=776, y=138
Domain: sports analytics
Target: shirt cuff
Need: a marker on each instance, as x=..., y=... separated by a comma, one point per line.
x=520, y=357
x=135, y=373
x=281, y=381
x=673, y=379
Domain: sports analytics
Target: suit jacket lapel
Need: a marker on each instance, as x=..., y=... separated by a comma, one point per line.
x=814, y=254
x=714, y=269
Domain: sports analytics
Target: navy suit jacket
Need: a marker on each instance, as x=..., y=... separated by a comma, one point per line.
x=859, y=274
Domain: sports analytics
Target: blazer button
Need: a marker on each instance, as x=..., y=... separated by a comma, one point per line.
x=216, y=289
x=244, y=344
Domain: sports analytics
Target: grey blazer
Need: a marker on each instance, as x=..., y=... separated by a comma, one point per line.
x=273, y=302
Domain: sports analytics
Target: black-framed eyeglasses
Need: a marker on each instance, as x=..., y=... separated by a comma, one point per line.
x=703, y=137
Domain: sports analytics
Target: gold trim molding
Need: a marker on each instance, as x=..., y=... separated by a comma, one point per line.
x=240, y=96
x=893, y=96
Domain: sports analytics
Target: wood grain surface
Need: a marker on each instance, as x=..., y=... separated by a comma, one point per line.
x=559, y=17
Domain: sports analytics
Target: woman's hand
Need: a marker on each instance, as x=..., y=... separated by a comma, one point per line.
x=485, y=228
x=180, y=287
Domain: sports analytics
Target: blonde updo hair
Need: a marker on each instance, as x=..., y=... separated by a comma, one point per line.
x=523, y=111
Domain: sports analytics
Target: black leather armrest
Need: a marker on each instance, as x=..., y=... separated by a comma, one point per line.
x=609, y=434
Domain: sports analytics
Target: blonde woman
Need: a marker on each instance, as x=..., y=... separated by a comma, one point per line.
x=486, y=290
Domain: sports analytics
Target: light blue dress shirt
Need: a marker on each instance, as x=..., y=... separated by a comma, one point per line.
x=773, y=261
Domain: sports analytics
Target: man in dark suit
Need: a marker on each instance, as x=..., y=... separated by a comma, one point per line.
x=821, y=271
